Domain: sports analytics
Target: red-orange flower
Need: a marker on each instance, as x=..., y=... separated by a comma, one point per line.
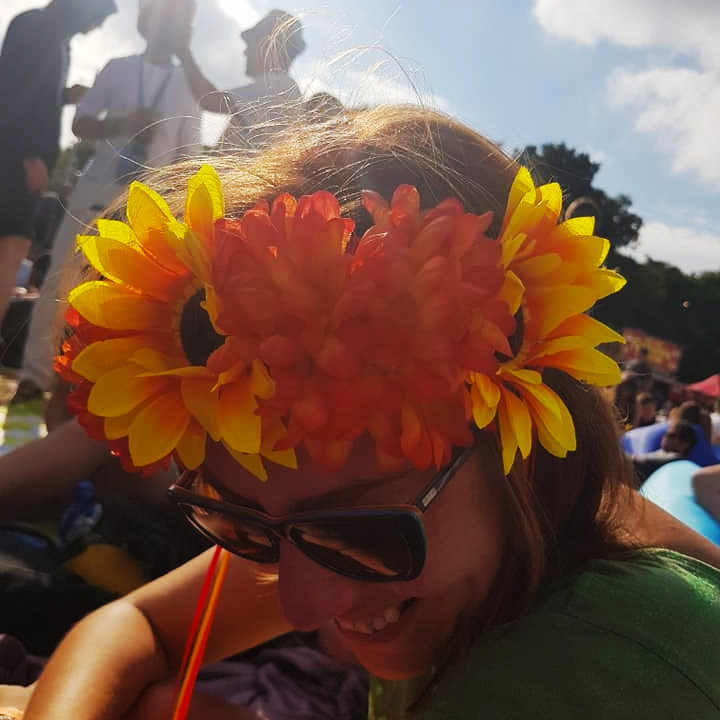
x=377, y=341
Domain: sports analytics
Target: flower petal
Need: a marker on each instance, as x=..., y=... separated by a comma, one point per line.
x=100, y=357
x=146, y=211
x=122, y=264
x=191, y=446
x=203, y=403
x=120, y=391
x=157, y=429
x=251, y=462
x=239, y=424
x=205, y=203
x=110, y=306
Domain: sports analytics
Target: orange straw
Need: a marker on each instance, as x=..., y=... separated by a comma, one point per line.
x=200, y=630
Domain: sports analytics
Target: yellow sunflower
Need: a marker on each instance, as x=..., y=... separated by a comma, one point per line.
x=554, y=275
x=152, y=399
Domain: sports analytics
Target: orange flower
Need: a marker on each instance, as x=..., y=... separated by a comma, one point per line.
x=377, y=341
x=406, y=338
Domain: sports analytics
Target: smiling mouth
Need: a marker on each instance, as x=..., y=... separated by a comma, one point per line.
x=388, y=617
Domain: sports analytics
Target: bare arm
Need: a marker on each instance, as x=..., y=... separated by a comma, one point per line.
x=205, y=93
x=121, y=661
x=44, y=471
x=91, y=129
x=706, y=486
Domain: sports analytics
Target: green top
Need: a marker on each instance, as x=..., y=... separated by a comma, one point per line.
x=628, y=638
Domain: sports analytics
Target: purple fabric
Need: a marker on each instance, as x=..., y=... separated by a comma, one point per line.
x=296, y=683
x=16, y=666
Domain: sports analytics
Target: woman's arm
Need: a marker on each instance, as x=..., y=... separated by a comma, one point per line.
x=42, y=473
x=122, y=660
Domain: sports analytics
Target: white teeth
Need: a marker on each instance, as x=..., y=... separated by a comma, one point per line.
x=390, y=616
x=365, y=627
x=379, y=623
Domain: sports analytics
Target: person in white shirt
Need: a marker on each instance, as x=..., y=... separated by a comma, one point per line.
x=141, y=114
x=266, y=106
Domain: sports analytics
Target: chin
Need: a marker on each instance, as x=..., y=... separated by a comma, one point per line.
x=389, y=665
x=405, y=648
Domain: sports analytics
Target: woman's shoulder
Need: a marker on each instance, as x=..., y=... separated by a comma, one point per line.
x=626, y=634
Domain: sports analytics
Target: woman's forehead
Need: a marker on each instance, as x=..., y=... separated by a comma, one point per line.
x=286, y=486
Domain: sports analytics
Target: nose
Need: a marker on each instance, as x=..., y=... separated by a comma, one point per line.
x=310, y=595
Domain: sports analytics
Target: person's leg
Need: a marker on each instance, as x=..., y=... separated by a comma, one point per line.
x=17, y=227
x=43, y=333
x=85, y=205
x=13, y=250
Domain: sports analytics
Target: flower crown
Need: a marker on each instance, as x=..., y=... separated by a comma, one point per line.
x=427, y=327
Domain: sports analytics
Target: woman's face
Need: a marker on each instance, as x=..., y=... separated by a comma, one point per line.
x=396, y=629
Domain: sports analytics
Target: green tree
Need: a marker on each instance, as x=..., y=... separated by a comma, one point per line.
x=658, y=298
x=575, y=172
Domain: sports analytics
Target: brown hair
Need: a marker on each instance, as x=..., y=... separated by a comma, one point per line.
x=559, y=511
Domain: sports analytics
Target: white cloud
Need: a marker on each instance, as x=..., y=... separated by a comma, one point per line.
x=676, y=104
x=686, y=26
x=598, y=156
x=678, y=108
x=690, y=249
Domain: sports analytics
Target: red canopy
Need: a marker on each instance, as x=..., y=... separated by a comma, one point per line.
x=709, y=386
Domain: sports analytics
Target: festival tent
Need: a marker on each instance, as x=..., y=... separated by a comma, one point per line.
x=709, y=386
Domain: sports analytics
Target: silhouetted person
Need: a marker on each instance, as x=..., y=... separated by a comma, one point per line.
x=266, y=106
x=140, y=112
x=33, y=73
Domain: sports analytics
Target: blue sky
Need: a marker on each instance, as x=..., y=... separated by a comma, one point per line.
x=635, y=83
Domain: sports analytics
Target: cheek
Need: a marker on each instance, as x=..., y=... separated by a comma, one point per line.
x=465, y=543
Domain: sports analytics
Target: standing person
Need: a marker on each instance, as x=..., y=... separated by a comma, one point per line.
x=33, y=73
x=380, y=399
x=266, y=106
x=140, y=113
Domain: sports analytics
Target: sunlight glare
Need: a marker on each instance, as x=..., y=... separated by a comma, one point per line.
x=241, y=11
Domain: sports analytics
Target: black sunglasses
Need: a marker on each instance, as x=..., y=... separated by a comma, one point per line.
x=375, y=544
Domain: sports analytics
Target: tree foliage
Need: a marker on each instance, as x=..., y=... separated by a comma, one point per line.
x=659, y=298
x=575, y=172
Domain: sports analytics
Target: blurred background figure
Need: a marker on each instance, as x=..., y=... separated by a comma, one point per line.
x=140, y=113
x=645, y=410
x=624, y=400
x=33, y=72
x=691, y=411
x=266, y=106
x=715, y=422
x=677, y=442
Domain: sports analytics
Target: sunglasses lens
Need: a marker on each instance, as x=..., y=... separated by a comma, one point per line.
x=239, y=537
x=372, y=547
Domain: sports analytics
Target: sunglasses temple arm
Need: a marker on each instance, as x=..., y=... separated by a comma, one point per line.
x=442, y=479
